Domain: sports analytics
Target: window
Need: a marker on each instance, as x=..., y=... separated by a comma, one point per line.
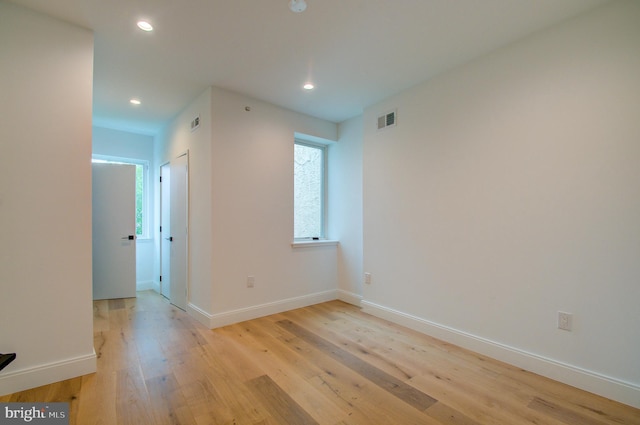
x=309, y=190
x=142, y=177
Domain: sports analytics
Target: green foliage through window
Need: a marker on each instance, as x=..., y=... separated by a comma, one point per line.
x=139, y=199
x=309, y=190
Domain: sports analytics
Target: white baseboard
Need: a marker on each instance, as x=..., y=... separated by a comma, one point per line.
x=253, y=312
x=199, y=314
x=32, y=377
x=349, y=297
x=146, y=285
x=612, y=388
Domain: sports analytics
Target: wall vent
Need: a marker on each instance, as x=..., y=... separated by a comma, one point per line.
x=195, y=123
x=387, y=120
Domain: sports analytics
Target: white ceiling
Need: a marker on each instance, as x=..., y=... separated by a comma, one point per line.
x=357, y=52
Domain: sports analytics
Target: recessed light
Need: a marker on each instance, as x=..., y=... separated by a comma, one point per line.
x=308, y=86
x=145, y=26
x=297, y=6
x=135, y=101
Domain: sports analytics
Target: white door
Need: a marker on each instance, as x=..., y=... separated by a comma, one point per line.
x=114, y=230
x=179, y=230
x=165, y=230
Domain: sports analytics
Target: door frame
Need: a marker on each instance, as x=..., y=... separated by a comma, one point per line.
x=187, y=228
x=164, y=279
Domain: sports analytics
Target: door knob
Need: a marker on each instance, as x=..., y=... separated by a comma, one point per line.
x=129, y=238
x=170, y=238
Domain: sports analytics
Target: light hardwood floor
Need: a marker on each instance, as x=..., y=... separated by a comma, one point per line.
x=325, y=364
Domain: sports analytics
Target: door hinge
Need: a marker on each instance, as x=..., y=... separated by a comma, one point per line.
x=160, y=179
x=160, y=278
x=160, y=229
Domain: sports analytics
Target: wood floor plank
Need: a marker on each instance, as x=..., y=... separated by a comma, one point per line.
x=367, y=403
x=562, y=414
x=400, y=389
x=240, y=401
x=289, y=368
x=232, y=356
x=67, y=391
x=332, y=362
x=97, y=401
x=206, y=404
x=362, y=347
x=116, y=304
x=132, y=398
x=278, y=403
x=196, y=369
x=597, y=408
x=361, y=401
x=115, y=350
x=168, y=404
x=508, y=392
x=480, y=405
x=449, y=416
x=101, y=315
x=28, y=396
x=437, y=362
x=273, y=358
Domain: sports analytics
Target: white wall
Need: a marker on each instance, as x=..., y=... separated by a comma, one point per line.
x=45, y=199
x=510, y=190
x=241, y=208
x=252, y=209
x=173, y=142
x=123, y=144
x=345, y=207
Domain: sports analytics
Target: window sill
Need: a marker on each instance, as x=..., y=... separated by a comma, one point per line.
x=309, y=244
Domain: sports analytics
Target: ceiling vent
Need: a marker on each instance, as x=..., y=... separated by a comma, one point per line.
x=387, y=120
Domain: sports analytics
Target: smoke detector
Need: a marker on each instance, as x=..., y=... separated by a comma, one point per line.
x=297, y=6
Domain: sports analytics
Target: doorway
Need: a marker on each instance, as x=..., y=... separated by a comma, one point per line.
x=174, y=236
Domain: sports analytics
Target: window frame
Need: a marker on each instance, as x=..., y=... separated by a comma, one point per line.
x=324, y=195
x=146, y=235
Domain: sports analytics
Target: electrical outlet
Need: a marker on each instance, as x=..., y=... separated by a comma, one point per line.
x=251, y=280
x=367, y=278
x=565, y=321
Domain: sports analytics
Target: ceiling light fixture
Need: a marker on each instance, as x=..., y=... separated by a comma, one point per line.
x=135, y=101
x=308, y=86
x=297, y=6
x=145, y=26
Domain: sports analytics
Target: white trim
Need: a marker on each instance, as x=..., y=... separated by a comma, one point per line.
x=311, y=243
x=12, y=382
x=613, y=388
x=200, y=315
x=146, y=285
x=253, y=312
x=313, y=139
x=350, y=297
